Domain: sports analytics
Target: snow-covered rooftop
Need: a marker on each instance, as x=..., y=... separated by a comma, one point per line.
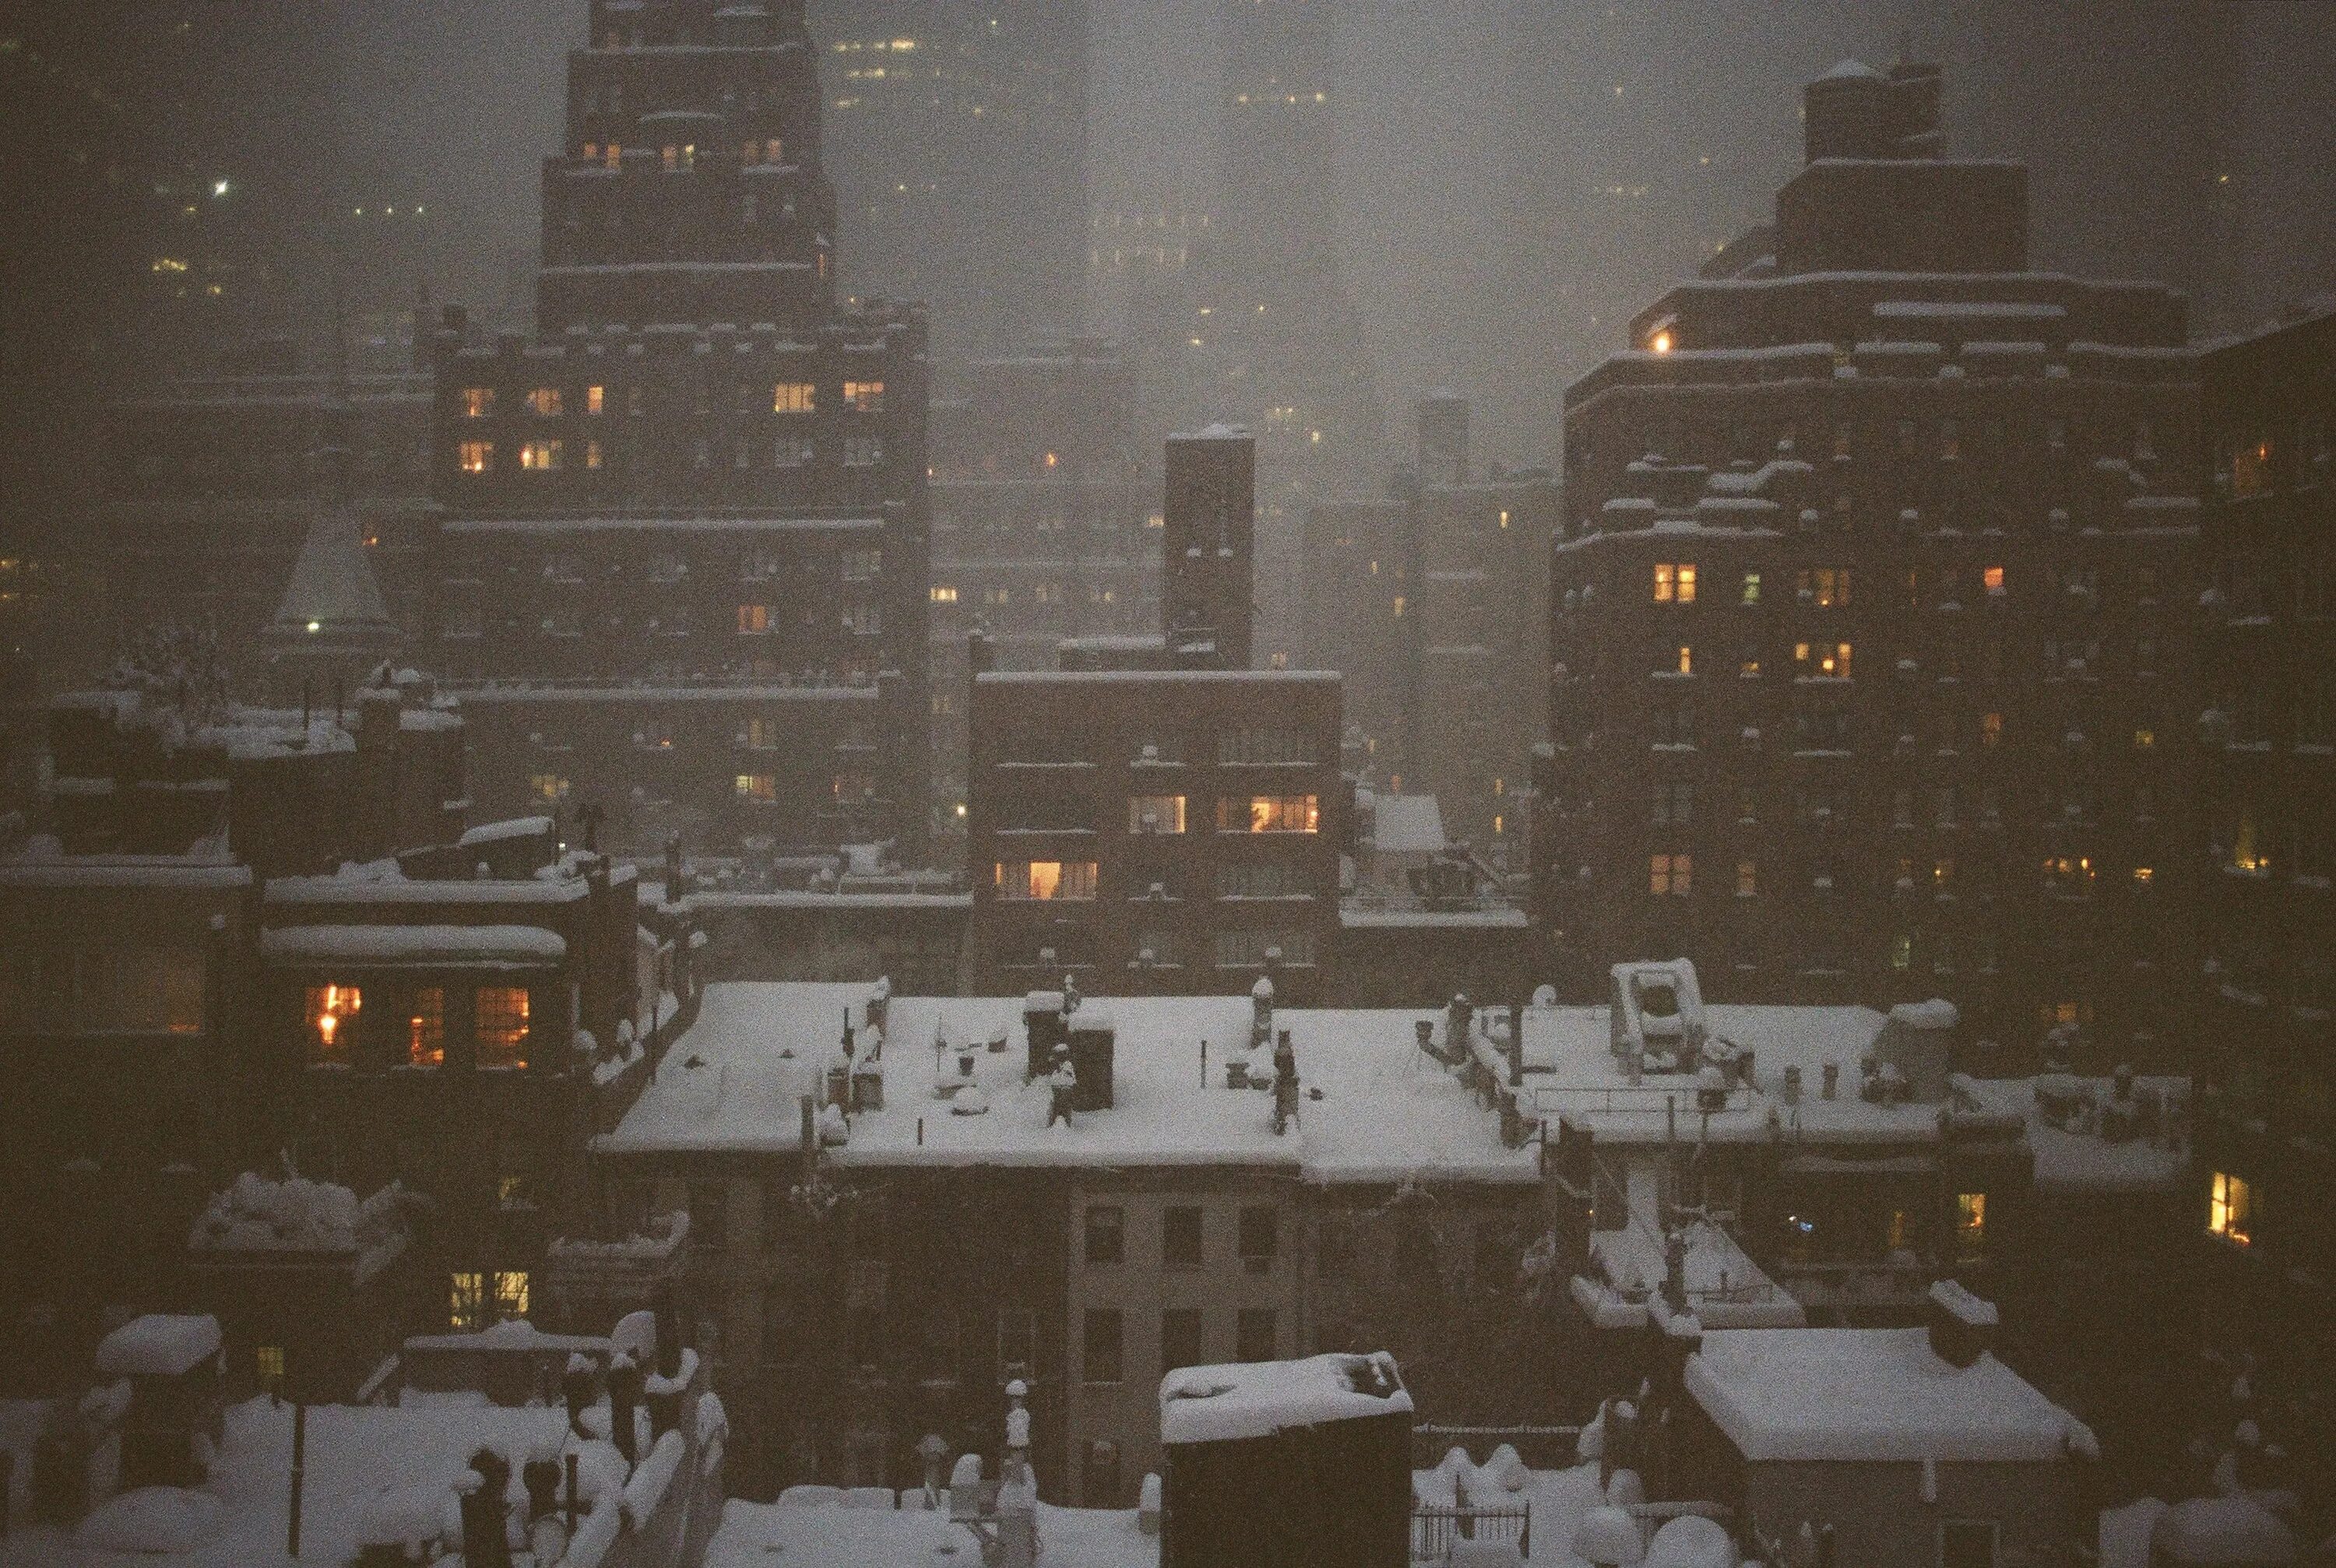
x=820, y=1528
x=357, y=1456
x=1387, y=1111
x=1259, y=1398
x=158, y=1345
x=1871, y=1396
x=1571, y=1070
x=1408, y=824
x=431, y=944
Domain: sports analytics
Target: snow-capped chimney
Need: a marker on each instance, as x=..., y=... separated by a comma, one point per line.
x=1962, y=1325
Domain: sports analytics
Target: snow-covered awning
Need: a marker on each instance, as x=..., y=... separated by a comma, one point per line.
x=500, y=946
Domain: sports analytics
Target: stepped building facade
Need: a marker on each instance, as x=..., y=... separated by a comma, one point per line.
x=1872, y=649
x=681, y=559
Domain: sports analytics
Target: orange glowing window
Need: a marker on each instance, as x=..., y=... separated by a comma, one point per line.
x=1970, y=1227
x=757, y=786
x=753, y=619
x=1045, y=879
x=502, y=1025
x=1270, y=814
x=595, y=399
x=545, y=401
x=794, y=397
x=476, y=456
x=542, y=456
x=1991, y=579
x=2230, y=1210
x=478, y=401
x=615, y=157
x=863, y=397
x=332, y=1037
x=425, y=1029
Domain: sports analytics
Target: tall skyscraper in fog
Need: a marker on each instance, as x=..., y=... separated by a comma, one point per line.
x=1260, y=328
x=683, y=561
x=957, y=136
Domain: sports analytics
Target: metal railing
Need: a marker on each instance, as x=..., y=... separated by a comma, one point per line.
x=1435, y=1526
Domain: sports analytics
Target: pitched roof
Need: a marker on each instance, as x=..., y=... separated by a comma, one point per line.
x=333, y=589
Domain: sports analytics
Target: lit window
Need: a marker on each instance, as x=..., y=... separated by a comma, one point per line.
x=1044, y=880
x=547, y=787
x=425, y=1029
x=757, y=786
x=1991, y=579
x=672, y=158
x=1829, y=662
x=1826, y=586
x=545, y=401
x=592, y=455
x=1686, y=659
x=1902, y=952
x=1675, y=582
x=771, y=149
x=762, y=733
x=753, y=619
x=1751, y=588
x=476, y=456
x=863, y=397
x=542, y=456
x=1155, y=814
x=1504, y=517
x=595, y=399
x=2142, y=739
x=2230, y=1209
x=1670, y=875
x=794, y=397
x=1990, y=729
x=510, y=1295
x=1747, y=879
x=942, y=594
x=466, y=1306
x=1399, y=607
x=1970, y=1227
x=1661, y=342
x=614, y=158
x=2142, y=876
x=331, y=1038
x=502, y=1025
x=268, y=1361
x=1270, y=814
x=478, y=401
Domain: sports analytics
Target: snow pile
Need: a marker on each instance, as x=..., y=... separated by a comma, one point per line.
x=1690, y=1540
x=652, y=1478
x=157, y=1520
x=2233, y=1532
x=158, y=1345
x=1255, y=1399
x=408, y=1518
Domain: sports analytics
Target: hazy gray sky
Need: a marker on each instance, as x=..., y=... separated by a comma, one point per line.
x=1504, y=208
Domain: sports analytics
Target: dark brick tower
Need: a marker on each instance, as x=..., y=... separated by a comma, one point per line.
x=684, y=550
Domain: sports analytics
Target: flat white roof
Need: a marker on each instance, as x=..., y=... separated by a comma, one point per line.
x=1875, y=1396
x=1387, y=1111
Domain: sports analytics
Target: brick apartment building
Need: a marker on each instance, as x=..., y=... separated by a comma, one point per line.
x=1871, y=661
x=260, y=940
x=2268, y=733
x=1174, y=831
x=1155, y=810
x=699, y=491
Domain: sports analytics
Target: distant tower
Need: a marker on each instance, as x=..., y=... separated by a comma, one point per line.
x=1444, y=439
x=1206, y=553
